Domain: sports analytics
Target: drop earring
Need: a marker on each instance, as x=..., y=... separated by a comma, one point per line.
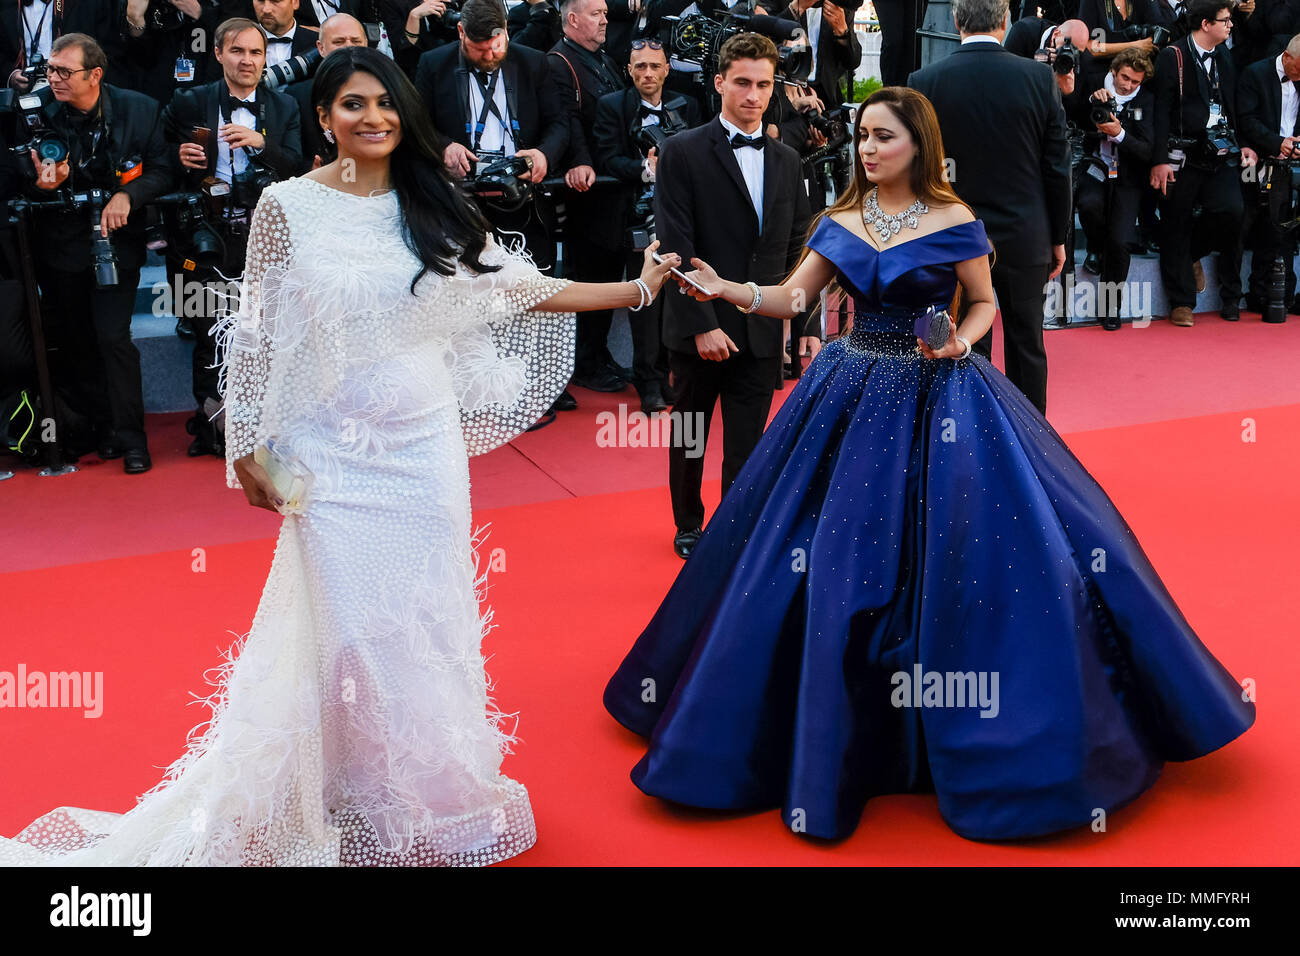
x=329, y=135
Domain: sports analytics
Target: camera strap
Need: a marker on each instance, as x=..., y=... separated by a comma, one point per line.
x=1178, y=54
x=488, y=89
x=34, y=44
x=226, y=106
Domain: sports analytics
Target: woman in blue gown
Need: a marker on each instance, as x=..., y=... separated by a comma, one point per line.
x=913, y=584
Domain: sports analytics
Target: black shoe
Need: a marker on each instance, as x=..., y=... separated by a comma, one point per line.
x=1092, y=263
x=1230, y=313
x=136, y=461
x=1111, y=323
x=183, y=328
x=652, y=399
x=602, y=380
x=685, y=542
x=621, y=371
x=565, y=403
x=207, y=440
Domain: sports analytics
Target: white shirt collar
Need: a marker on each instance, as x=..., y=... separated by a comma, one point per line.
x=288, y=33
x=1281, y=73
x=732, y=129
x=1196, y=46
x=980, y=38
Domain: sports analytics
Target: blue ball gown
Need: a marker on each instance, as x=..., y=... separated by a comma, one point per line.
x=914, y=586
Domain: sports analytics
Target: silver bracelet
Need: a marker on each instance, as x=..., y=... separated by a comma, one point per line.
x=966, y=354
x=643, y=291
x=758, y=297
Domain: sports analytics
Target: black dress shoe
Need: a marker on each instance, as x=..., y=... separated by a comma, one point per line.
x=136, y=461
x=652, y=399
x=602, y=380
x=1092, y=263
x=1111, y=323
x=685, y=541
x=621, y=371
x=207, y=440
x=183, y=328
x=565, y=403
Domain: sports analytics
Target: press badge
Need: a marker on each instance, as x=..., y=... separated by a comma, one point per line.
x=184, y=72
x=1216, y=113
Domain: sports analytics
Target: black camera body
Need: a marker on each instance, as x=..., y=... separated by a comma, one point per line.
x=1214, y=148
x=499, y=183
x=1066, y=60
x=31, y=124
x=697, y=39
x=1102, y=111
x=1159, y=35
x=190, y=233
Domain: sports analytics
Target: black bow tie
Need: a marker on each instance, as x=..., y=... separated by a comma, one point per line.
x=1206, y=56
x=645, y=111
x=738, y=141
x=271, y=39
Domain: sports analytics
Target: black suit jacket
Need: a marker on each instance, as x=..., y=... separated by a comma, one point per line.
x=535, y=25
x=1138, y=120
x=1195, y=100
x=98, y=18
x=1259, y=108
x=984, y=94
x=202, y=106
x=835, y=56
x=443, y=79
x=568, y=61
x=702, y=208
x=1023, y=39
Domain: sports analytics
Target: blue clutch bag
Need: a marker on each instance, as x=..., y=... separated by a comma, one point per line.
x=932, y=327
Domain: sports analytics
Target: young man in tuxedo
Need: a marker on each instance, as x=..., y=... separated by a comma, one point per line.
x=731, y=195
x=1111, y=187
x=248, y=129
x=337, y=32
x=1268, y=104
x=620, y=117
x=1004, y=133
x=285, y=39
x=1190, y=99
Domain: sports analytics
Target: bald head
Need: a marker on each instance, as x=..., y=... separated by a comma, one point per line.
x=1076, y=31
x=340, y=30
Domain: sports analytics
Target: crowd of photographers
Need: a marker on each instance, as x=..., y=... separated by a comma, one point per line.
x=1183, y=129
x=136, y=124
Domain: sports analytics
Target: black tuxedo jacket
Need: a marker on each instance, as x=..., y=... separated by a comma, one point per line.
x=443, y=80
x=1138, y=120
x=306, y=12
x=1195, y=106
x=702, y=208
x=835, y=56
x=568, y=62
x=98, y=18
x=617, y=120
x=1259, y=108
x=202, y=107
x=1004, y=130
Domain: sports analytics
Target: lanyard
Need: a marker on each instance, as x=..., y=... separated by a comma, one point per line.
x=35, y=45
x=488, y=88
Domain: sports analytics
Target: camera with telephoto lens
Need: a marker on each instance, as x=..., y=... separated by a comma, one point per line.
x=190, y=233
x=1157, y=34
x=31, y=127
x=499, y=183
x=300, y=67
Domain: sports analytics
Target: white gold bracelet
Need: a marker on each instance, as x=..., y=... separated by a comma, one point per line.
x=966, y=354
x=643, y=291
x=758, y=297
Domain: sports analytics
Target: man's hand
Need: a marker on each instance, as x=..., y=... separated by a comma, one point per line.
x=1161, y=177
x=816, y=139
x=193, y=156
x=458, y=160
x=50, y=175
x=115, y=213
x=810, y=345
x=1065, y=82
x=652, y=160
x=241, y=137
x=835, y=17
x=538, y=172
x=1058, y=262
x=715, y=345
x=1113, y=128
x=316, y=162
x=580, y=178
x=1248, y=156
x=1288, y=147
x=19, y=82
x=1247, y=7
x=803, y=99
x=190, y=8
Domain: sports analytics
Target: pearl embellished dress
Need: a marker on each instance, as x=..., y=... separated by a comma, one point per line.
x=354, y=724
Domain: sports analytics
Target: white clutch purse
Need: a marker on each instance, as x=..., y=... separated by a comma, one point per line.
x=291, y=478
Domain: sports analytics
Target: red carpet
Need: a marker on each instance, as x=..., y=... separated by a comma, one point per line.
x=102, y=576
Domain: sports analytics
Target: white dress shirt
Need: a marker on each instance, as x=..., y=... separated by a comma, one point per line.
x=324, y=9
x=38, y=16
x=1290, y=101
x=814, y=34
x=232, y=162
x=497, y=138
x=277, y=53
x=751, y=165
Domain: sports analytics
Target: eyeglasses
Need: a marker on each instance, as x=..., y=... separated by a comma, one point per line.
x=1222, y=20
x=63, y=73
x=642, y=44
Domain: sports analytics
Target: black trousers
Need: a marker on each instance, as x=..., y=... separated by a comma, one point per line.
x=744, y=383
x=1021, y=291
x=898, y=24
x=93, y=361
x=1185, y=238
x=526, y=222
x=202, y=293
x=1109, y=231
x=649, y=354
x=587, y=261
x=1266, y=243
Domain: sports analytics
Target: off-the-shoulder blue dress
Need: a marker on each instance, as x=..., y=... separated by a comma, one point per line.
x=914, y=585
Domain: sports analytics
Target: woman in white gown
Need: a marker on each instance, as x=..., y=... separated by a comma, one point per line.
x=353, y=725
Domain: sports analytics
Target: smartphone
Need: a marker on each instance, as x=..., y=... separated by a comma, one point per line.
x=201, y=135
x=679, y=274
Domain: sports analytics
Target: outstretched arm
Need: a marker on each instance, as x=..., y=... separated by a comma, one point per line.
x=587, y=296
x=783, y=301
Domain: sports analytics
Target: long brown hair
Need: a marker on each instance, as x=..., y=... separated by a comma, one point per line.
x=927, y=183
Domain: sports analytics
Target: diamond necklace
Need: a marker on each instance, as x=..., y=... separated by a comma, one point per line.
x=889, y=226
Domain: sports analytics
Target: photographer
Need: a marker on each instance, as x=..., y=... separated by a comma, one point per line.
x=1042, y=40
x=535, y=24
x=284, y=38
x=336, y=33
x=1119, y=25
x=426, y=25
x=628, y=128
x=1195, y=161
x=835, y=47
x=231, y=138
x=168, y=44
x=1267, y=105
x=114, y=144
x=1110, y=189
x=28, y=29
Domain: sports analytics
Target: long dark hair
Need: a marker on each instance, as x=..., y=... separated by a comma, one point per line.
x=439, y=223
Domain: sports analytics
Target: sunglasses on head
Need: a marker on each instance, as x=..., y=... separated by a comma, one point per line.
x=642, y=44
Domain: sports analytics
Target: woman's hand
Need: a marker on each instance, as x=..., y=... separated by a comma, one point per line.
x=654, y=273
x=951, y=349
x=257, y=486
x=703, y=275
